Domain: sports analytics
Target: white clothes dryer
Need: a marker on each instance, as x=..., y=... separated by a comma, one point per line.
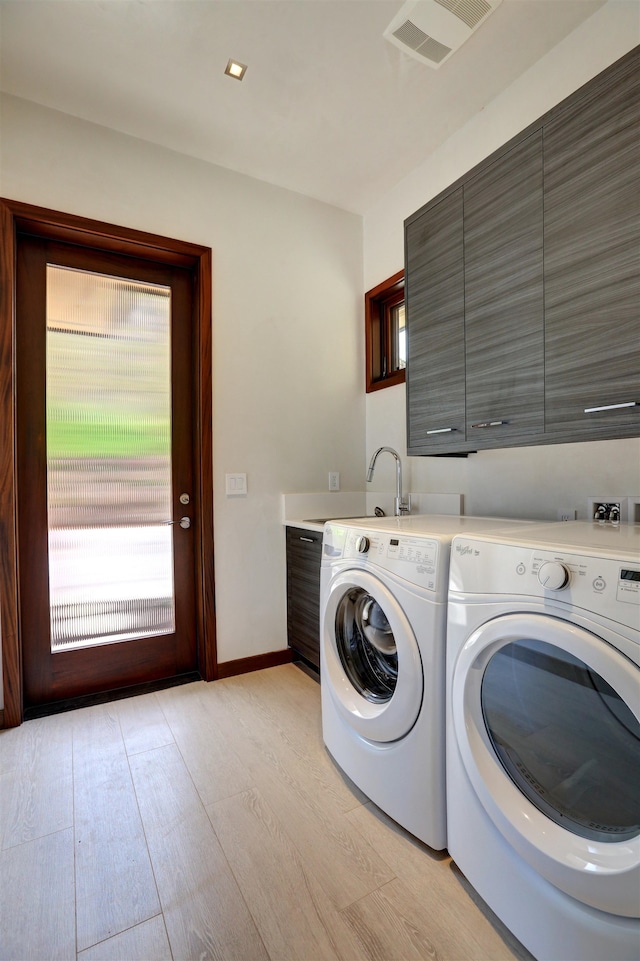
x=543, y=734
x=383, y=592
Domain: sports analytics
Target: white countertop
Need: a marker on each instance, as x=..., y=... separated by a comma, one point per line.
x=312, y=525
x=307, y=510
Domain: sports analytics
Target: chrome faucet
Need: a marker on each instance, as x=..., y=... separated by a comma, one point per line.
x=400, y=506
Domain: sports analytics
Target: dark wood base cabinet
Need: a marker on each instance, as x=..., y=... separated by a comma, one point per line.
x=522, y=284
x=304, y=555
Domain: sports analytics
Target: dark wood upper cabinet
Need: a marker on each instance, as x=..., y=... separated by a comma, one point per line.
x=475, y=303
x=434, y=297
x=592, y=260
x=504, y=298
x=523, y=284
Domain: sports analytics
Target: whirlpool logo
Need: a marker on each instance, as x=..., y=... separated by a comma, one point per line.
x=464, y=549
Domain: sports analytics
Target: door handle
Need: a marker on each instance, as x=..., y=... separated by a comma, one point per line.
x=184, y=522
x=491, y=423
x=592, y=410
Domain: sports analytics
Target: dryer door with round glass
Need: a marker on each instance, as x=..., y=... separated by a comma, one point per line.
x=546, y=720
x=372, y=663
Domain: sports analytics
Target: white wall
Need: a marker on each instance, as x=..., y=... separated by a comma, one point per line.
x=287, y=322
x=527, y=482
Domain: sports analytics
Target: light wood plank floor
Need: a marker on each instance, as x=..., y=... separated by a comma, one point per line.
x=208, y=822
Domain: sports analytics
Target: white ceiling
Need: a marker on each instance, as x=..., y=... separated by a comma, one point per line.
x=328, y=108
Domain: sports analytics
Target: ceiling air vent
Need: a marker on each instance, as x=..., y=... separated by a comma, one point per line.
x=432, y=30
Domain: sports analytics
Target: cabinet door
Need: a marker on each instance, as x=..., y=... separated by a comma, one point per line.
x=434, y=289
x=504, y=298
x=304, y=556
x=592, y=261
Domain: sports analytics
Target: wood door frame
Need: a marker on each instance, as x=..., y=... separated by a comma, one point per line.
x=19, y=218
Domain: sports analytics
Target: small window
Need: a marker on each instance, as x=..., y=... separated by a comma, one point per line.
x=386, y=339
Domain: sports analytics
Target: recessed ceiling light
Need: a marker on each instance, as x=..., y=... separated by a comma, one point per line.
x=235, y=69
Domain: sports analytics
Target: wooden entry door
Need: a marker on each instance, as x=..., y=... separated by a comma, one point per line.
x=109, y=470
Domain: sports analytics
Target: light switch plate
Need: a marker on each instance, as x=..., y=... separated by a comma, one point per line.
x=235, y=484
x=334, y=480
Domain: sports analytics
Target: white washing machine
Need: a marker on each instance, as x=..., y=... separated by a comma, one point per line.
x=383, y=591
x=543, y=734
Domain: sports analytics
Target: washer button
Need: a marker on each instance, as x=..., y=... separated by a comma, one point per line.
x=521, y=569
x=599, y=584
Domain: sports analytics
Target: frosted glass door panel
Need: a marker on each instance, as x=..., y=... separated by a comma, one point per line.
x=109, y=490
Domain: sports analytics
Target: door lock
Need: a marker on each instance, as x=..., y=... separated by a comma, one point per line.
x=184, y=499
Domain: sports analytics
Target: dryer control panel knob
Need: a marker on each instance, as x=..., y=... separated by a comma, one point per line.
x=553, y=576
x=362, y=544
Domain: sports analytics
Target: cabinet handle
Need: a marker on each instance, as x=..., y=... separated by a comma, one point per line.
x=592, y=410
x=491, y=423
x=442, y=430
x=308, y=540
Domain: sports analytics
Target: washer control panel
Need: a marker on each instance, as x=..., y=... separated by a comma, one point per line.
x=628, y=585
x=553, y=575
x=606, y=585
x=363, y=544
x=414, y=559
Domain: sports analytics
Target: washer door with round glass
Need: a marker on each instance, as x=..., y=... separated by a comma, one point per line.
x=545, y=716
x=371, y=663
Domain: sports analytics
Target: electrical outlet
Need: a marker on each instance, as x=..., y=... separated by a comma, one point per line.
x=567, y=514
x=334, y=480
x=612, y=509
